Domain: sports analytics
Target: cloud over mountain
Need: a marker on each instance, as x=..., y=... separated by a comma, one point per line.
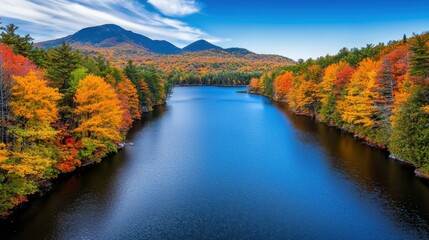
x=45, y=19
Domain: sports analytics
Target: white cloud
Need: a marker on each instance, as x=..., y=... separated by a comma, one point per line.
x=175, y=7
x=48, y=19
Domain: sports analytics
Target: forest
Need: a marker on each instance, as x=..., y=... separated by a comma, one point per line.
x=210, y=67
x=380, y=93
x=61, y=109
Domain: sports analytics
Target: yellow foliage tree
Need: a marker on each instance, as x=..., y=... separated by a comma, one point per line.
x=302, y=95
x=34, y=101
x=329, y=79
x=4, y=155
x=358, y=106
x=98, y=110
x=326, y=93
x=34, y=105
x=401, y=95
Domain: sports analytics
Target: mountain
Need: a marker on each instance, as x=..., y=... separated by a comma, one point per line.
x=110, y=35
x=120, y=45
x=200, y=45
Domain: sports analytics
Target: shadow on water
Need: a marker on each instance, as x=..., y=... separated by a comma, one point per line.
x=71, y=189
x=405, y=196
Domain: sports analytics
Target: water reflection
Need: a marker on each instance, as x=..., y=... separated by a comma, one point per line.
x=216, y=164
x=404, y=196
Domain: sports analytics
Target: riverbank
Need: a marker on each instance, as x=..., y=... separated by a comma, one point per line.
x=417, y=172
x=222, y=164
x=46, y=185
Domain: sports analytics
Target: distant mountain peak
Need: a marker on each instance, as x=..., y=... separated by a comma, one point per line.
x=111, y=35
x=200, y=45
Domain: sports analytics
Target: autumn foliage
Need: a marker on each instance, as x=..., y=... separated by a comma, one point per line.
x=68, y=111
x=379, y=93
x=282, y=85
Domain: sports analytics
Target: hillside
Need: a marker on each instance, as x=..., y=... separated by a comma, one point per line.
x=119, y=45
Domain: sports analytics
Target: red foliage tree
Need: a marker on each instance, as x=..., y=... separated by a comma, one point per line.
x=10, y=65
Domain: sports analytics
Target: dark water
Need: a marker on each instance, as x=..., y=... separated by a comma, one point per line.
x=216, y=164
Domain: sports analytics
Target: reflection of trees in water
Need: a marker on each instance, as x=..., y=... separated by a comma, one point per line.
x=92, y=184
x=394, y=185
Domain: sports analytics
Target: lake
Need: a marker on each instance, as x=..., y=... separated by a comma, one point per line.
x=217, y=164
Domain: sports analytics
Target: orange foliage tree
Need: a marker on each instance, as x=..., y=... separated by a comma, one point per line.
x=282, y=85
x=128, y=95
x=255, y=85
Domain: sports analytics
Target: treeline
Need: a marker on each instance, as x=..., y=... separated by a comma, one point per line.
x=60, y=110
x=225, y=78
x=380, y=93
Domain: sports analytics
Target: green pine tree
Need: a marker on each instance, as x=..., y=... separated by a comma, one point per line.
x=420, y=58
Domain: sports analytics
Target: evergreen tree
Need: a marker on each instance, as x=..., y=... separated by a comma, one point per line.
x=62, y=61
x=420, y=58
x=20, y=45
x=132, y=72
x=410, y=133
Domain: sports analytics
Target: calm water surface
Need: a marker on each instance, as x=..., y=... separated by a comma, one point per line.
x=216, y=164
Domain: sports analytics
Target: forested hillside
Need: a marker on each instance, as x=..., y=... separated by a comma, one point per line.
x=380, y=93
x=199, y=63
x=61, y=110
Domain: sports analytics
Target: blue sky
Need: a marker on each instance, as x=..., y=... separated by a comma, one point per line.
x=296, y=29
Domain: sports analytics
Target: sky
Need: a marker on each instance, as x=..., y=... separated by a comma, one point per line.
x=292, y=28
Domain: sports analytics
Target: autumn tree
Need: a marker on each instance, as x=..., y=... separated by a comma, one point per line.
x=68, y=149
x=254, y=85
x=282, y=85
x=306, y=97
x=391, y=75
x=99, y=117
x=358, y=105
x=10, y=65
x=343, y=79
x=33, y=106
x=129, y=98
x=327, y=93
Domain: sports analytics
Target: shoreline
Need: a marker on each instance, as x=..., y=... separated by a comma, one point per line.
x=417, y=172
x=47, y=185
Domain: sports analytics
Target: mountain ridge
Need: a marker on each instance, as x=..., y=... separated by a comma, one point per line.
x=111, y=36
